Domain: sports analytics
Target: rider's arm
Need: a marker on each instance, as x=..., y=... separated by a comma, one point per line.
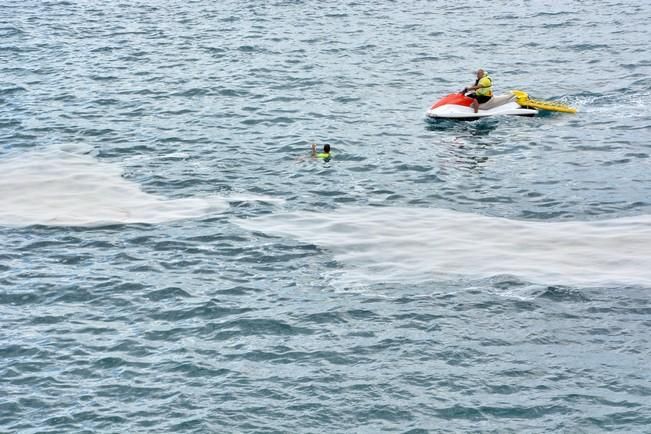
x=483, y=82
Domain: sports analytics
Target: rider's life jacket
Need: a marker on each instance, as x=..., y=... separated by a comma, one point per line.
x=486, y=84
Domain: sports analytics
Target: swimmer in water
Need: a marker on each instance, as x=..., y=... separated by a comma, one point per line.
x=325, y=155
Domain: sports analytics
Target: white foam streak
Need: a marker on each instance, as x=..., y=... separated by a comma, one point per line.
x=67, y=186
x=386, y=244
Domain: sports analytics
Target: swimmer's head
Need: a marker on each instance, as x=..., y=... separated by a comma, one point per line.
x=326, y=149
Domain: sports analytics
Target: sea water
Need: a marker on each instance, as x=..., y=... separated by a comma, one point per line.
x=173, y=260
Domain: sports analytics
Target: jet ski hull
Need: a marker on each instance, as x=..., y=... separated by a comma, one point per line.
x=457, y=106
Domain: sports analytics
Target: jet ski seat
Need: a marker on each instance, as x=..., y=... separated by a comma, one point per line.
x=496, y=101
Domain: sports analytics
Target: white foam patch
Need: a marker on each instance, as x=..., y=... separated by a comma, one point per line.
x=618, y=106
x=67, y=186
x=412, y=245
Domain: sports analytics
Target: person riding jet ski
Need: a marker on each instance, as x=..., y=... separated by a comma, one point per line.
x=483, y=88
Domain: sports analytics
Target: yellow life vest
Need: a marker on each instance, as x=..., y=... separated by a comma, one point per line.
x=323, y=155
x=486, y=86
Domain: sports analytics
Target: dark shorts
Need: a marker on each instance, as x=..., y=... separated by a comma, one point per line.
x=480, y=98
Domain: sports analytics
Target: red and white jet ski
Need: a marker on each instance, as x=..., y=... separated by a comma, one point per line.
x=516, y=103
x=457, y=106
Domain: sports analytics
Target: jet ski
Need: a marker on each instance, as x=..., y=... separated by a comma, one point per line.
x=516, y=103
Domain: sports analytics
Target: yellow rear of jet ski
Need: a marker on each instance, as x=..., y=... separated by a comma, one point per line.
x=522, y=98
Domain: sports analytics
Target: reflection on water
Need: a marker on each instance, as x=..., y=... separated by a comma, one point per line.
x=479, y=127
x=460, y=156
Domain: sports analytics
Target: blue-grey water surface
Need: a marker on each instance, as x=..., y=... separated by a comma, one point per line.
x=174, y=261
